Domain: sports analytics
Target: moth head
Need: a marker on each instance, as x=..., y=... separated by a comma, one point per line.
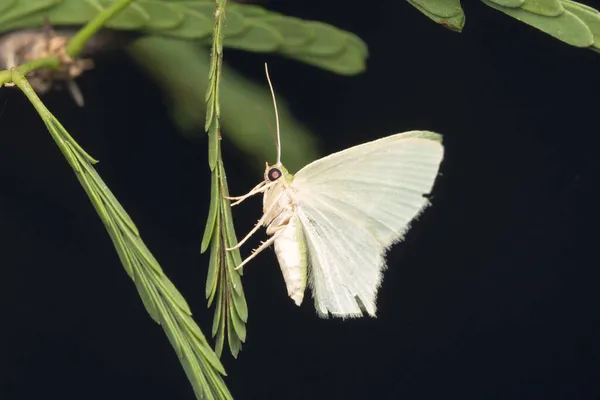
x=275, y=172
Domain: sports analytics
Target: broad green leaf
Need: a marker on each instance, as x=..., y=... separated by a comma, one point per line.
x=448, y=13
x=6, y=5
x=509, y=3
x=250, y=10
x=579, y=6
x=70, y=13
x=589, y=16
x=550, y=8
x=258, y=37
x=295, y=32
x=441, y=8
x=566, y=20
x=163, y=16
x=248, y=27
x=180, y=69
x=326, y=41
x=348, y=62
x=235, y=25
x=134, y=17
x=15, y=10
x=566, y=27
x=194, y=25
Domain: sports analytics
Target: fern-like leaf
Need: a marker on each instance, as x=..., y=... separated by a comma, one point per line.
x=223, y=282
x=249, y=27
x=448, y=13
x=571, y=22
x=163, y=302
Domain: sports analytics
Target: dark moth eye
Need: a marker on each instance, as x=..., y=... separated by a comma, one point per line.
x=274, y=174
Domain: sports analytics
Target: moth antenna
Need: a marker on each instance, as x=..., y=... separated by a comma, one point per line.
x=276, y=116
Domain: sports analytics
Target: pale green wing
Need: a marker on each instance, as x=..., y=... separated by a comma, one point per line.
x=356, y=203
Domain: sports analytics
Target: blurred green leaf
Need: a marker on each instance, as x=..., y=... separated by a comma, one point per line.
x=13, y=10
x=249, y=27
x=181, y=68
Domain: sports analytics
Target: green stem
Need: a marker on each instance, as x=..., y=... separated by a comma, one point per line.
x=74, y=47
x=6, y=76
x=46, y=62
x=78, y=41
x=19, y=79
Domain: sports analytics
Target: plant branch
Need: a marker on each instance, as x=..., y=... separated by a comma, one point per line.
x=223, y=282
x=73, y=48
x=78, y=41
x=6, y=76
x=163, y=302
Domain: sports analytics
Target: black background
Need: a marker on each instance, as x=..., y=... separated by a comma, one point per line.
x=492, y=295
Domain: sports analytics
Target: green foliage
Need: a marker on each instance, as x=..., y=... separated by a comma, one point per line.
x=445, y=12
x=176, y=33
x=181, y=67
x=163, y=302
x=223, y=281
x=249, y=27
x=571, y=22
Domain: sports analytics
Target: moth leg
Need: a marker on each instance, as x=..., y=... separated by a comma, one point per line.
x=252, y=232
x=262, y=246
x=257, y=189
x=260, y=222
x=250, y=193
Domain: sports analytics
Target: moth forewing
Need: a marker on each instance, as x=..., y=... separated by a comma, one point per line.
x=353, y=205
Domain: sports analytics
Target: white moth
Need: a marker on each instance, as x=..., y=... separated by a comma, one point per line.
x=332, y=222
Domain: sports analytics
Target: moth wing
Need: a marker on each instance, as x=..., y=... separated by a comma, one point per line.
x=345, y=263
x=356, y=203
